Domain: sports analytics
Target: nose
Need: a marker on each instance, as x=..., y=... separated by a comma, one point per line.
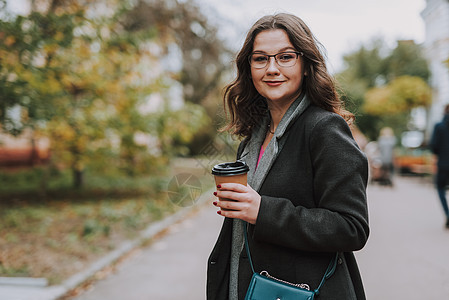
x=272, y=66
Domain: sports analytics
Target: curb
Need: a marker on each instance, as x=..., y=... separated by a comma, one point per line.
x=58, y=291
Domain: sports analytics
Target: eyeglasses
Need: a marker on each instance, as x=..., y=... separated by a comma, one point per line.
x=283, y=59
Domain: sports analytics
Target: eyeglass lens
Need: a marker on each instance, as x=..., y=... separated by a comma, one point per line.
x=283, y=59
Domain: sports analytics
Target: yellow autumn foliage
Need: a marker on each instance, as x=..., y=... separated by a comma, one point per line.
x=400, y=95
x=59, y=36
x=9, y=41
x=412, y=90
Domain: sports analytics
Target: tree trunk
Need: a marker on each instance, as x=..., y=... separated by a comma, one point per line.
x=34, y=157
x=77, y=178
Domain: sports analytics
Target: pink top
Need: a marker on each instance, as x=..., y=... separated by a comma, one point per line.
x=260, y=155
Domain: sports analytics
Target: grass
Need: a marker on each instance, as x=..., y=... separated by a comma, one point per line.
x=57, y=232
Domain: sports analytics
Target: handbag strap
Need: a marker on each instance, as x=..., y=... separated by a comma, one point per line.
x=248, y=253
x=329, y=271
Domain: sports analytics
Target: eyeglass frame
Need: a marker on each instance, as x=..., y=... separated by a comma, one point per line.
x=298, y=54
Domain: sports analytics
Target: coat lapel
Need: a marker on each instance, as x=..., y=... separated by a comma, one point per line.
x=250, y=155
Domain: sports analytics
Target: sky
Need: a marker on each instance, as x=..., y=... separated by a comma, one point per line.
x=342, y=26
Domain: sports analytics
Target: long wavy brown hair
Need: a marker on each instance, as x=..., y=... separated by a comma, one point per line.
x=244, y=105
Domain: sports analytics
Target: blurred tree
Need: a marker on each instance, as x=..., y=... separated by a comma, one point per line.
x=373, y=80
x=367, y=64
x=175, y=136
x=194, y=50
x=364, y=69
x=191, y=42
x=407, y=59
x=393, y=102
x=400, y=95
x=81, y=74
x=27, y=47
x=103, y=88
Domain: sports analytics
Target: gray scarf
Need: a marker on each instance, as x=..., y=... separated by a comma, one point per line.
x=256, y=176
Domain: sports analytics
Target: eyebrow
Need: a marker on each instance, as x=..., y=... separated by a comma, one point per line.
x=280, y=50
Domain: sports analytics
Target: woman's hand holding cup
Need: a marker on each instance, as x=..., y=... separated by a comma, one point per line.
x=236, y=199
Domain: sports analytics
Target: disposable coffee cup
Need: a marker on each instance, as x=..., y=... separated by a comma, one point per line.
x=233, y=172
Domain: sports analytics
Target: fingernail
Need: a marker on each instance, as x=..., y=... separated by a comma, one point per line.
x=215, y=193
x=215, y=203
x=219, y=186
x=219, y=212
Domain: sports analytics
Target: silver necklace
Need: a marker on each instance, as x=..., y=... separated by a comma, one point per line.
x=269, y=127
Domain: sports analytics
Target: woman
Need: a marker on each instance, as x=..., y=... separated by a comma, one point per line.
x=306, y=193
x=386, y=143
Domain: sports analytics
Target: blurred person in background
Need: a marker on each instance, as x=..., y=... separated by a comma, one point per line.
x=306, y=195
x=386, y=143
x=439, y=144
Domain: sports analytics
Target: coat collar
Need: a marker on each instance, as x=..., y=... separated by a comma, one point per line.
x=252, y=149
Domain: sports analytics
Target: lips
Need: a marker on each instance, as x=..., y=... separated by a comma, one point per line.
x=273, y=83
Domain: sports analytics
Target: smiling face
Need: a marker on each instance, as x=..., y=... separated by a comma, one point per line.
x=279, y=85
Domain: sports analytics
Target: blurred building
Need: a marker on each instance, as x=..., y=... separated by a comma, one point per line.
x=436, y=44
x=25, y=150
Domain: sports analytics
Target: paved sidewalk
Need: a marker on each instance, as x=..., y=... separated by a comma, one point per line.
x=407, y=254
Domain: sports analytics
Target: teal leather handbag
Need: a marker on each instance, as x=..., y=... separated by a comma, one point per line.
x=263, y=286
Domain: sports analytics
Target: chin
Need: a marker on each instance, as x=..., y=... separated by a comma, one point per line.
x=279, y=98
